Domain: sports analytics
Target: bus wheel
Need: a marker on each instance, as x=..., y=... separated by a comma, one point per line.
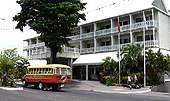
x=40, y=86
x=25, y=84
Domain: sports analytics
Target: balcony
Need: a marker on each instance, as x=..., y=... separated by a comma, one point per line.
x=149, y=43
x=87, y=35
x=124, y=28
x=31, y=46
x=142, y=25
x=87, y=50
x=103, y=32
x=106, y=48
x=75, y=37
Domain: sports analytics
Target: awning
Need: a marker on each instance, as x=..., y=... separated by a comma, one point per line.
x=163, y=51
x=95, y=59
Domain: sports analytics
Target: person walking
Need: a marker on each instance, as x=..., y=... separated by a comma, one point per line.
x=129, y=82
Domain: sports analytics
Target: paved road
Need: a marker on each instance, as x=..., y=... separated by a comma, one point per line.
x=29, y=94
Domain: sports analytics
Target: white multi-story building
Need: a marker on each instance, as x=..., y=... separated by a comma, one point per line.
x=97, y=37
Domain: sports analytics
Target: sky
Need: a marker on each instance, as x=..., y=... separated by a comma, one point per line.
x=13, y=38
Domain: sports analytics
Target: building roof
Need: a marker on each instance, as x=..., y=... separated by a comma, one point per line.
x=101, y=9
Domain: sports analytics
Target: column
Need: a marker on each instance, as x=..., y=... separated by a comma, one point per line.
x=29, y=50
x=131, y=36
x=111, y=20
x=95, y=38
x=71, y=62
x=87, y=76
x=153, y=29
x=81, y=31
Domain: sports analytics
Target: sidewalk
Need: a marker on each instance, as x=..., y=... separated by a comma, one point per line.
x=98, y=87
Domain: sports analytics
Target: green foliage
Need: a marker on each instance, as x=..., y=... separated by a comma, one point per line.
x=8, y=66
x=110, y=80
x=157, y=64
x=132, y=58
x=109, y=71
x=53, y=19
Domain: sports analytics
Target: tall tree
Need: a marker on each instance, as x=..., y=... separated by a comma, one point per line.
x=53, y=19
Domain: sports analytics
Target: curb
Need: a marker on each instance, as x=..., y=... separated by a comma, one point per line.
x=8, y=88
x=124, y=92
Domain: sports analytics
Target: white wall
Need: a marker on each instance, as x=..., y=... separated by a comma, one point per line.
x=164, y=30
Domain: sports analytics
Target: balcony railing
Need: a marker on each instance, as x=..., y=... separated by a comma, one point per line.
x=75, y=37
x=151, y=43
x=142, y=24
x=106, y=48
x=103, y=32
x=124, y=28
x=71, y=50
x=116, y=47
x=87, y=35
x=87, y=50
x=67, y=51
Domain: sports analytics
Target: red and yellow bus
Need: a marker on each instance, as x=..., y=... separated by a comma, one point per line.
x=45, y=76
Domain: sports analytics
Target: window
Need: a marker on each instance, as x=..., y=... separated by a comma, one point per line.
x=105, y=43
x=149, y=37
x=102, y=43
x=108, y=43
x=139, y=38
x=69, y=72
x=88, y=45
x=123, y=41
x=125, y=22
x=108, y=26
x=126, y=40
x=149, y=17
x=64, y=71
x=139, y=20
x=57, y=71
x=88, y=30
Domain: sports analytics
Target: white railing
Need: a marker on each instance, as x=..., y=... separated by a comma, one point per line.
x=115, y=30
x=103, y=48
x=116, y=47
x=40, y=44
x=142, y=24
x=75, y=37
x=103, y=32
x=150, y=43
x=87, y=35
x=71, y=50
x=87, y=50
x=124, y=28
x=106, y=48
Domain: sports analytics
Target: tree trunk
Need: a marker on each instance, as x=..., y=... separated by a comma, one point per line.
x=53, y=55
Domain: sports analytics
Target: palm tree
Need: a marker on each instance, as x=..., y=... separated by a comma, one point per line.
x=132, y=58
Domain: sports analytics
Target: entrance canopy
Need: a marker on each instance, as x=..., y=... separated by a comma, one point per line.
x=95, y=59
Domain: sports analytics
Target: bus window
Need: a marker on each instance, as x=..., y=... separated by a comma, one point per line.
x=30, y=71
x=50, y=71
x=46, y=71
x=64, y=71
x=69, y=72
x=56, y=71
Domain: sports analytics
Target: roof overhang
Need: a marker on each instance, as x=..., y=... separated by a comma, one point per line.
x=95, y=59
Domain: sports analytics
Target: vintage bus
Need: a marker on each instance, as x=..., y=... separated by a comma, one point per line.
x=53, y=76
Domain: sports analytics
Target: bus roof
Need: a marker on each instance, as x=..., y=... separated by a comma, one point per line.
x=50, y=66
